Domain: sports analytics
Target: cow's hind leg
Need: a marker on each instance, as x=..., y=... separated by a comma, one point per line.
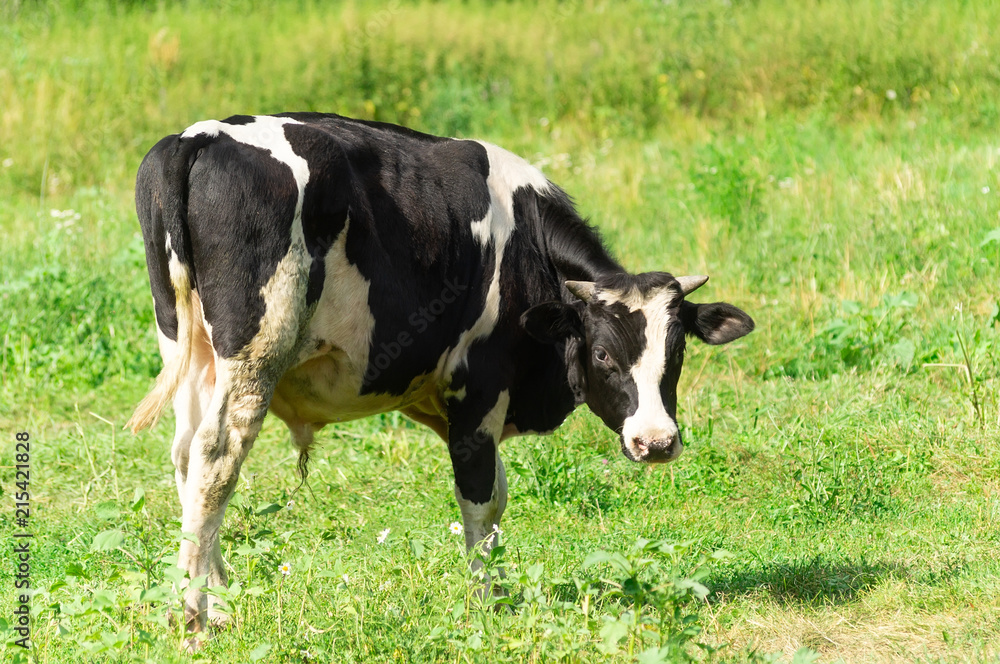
x=221, y=444
x=193, y=396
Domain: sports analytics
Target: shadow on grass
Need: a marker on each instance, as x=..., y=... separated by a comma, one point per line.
x=815, y=581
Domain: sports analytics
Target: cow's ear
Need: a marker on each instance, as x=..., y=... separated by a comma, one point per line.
x=552, y=322
x=576, y=372
x=715, y=323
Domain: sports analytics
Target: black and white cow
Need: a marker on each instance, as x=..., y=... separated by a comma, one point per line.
x=329, y=269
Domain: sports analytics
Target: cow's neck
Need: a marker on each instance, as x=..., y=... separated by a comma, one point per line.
x=574, y=248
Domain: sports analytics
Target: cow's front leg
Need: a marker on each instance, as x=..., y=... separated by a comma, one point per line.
x=480, y=479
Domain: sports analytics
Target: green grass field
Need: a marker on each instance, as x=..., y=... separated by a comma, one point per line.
x=833, y=165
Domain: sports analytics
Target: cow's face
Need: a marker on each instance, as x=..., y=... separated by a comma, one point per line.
x=625, y=349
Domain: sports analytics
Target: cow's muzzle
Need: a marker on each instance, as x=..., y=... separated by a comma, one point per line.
x=653, y=450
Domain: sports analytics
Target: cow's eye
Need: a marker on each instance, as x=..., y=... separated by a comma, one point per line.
x=601, y=356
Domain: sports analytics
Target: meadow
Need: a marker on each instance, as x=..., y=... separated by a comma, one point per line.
x=833, y=165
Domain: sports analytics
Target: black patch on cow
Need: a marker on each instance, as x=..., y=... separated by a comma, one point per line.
x=611, y=392
x=149, y=208
x=673, y=361
x=240, y=120
x=240, y=209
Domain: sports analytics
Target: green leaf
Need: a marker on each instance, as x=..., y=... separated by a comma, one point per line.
x=270, y=508
x=198, y=581
x=596, y=558
x=901, y=353
x=417, y=547
x=107, y=540
x=805, y=656
x=138, y=499
x=103, y=599
x=621, y=563
x=174, y=575
x=106, y=511
x=992, y=236
x=903, y=300
x=191, y=537
x=258, y=653
x=155, y=594
x=76, y=569
x=654, y=656
x=611, y=633
x=697, y=589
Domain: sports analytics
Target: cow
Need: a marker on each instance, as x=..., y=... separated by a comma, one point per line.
x=330, y=269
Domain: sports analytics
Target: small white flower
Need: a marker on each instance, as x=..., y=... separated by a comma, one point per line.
x=383, y=535
x=285, y=569
x=8, y=162
x=890, y=95
x=986, y=190
x=786, y=183
x=290, y=504
x=385, y=585
x=543, y=122
x=345, y=579
x=496, y=529
x=455, y=528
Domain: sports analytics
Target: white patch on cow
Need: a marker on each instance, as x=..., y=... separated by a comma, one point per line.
x=194, y=391
x=651, y=422
x=508, y=173
x=631, y=298
x=210, y=128
x=343, y=318
x=324, y=385
x=265, y=132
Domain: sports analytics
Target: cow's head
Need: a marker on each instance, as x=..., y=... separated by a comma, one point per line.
x=625, y=347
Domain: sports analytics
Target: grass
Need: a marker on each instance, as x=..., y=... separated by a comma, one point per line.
x=832, y=166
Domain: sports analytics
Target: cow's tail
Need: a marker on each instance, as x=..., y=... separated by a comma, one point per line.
x=161, y=200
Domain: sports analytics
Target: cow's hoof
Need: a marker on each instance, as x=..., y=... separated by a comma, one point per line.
x=219, y=621
x=191, y=645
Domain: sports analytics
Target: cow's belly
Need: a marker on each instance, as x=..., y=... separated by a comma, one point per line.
x=324, y=389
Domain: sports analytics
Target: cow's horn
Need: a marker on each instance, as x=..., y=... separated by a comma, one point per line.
x=585, y=290
x=692, y=283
